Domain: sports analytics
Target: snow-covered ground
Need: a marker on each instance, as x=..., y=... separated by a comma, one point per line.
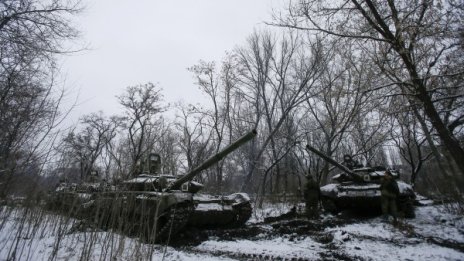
x=59, y=238
x=433, y=235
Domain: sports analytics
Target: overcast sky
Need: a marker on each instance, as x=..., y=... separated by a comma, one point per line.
x=135, y=42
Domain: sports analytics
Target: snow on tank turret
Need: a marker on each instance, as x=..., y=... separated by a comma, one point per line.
x=358, y=187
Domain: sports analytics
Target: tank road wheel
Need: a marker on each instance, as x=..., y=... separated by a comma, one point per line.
x=243, y=213
x=329, y=205
x=170, y=223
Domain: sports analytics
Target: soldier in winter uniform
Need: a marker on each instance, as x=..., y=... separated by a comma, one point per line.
x=389, y=194
x=311, y=194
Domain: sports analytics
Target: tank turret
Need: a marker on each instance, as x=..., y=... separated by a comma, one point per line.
x=345, y=169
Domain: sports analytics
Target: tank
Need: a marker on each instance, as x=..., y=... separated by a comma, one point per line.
x=155, y=206
x=358, y=188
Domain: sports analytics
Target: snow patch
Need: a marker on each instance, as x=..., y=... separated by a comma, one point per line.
x=281, y=247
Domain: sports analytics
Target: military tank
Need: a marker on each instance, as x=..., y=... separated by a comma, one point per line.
x=155, y=206
x=71, y=198
x=358, y=187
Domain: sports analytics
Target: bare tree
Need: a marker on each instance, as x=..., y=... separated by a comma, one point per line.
x=168, y=147
x=37, y=26
x=211, y=84
x=195, y=138
x=274, y=77
x=86, y=145
x=142, y=105
x=410, y=142
x=31, y=34
x=411, y=42
x=339, y=100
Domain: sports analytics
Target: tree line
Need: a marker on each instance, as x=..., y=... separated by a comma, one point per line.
x=381, y=81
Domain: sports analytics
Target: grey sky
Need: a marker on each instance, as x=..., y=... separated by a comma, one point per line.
x=134, y=42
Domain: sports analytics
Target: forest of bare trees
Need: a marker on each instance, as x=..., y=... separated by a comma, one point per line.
x=31, y=36
x=379, y=81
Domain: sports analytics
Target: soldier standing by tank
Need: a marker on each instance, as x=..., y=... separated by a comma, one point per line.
x=311, y=194
x=389, y=193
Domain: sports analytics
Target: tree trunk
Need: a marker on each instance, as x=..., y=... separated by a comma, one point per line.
x=429, y=139
x=451, y=144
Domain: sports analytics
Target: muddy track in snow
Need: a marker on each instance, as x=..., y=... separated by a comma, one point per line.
x=297, y=229
x=246, y=256
x=293, y=230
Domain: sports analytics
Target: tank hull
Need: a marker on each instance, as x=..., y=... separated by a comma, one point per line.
x=154, y=216
x=221, y=211
x=364, y=197
x=151, y=216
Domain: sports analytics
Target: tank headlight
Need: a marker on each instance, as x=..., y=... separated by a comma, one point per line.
x=367, y=178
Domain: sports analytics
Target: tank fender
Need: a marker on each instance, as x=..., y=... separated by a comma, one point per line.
x=238, y=198
x=329, y=190
x=405, y=188
x=165, y=200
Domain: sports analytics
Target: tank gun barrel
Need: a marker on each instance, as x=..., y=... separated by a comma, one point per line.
x=212, y=160
x=335, y=163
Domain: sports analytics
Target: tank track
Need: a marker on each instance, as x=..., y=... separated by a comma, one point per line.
x=329, y=205
x=170, y=223
x=244, y=212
